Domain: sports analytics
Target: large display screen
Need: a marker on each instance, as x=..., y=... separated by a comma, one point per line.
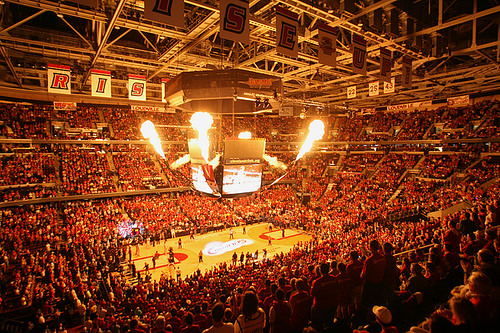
x=199, y=181
x=239, y=179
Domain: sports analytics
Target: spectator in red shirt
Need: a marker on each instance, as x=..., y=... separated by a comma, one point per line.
x=325, y=293
x=354, y=269
x=280, y=313
x=301, y=307
x=373, y=274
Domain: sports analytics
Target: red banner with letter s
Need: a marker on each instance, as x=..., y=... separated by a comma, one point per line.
x=234, y=20
x=136, y=87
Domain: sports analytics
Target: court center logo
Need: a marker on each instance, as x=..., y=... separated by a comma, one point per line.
x=218, y=248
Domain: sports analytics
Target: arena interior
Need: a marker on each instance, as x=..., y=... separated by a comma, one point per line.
x=388, y=222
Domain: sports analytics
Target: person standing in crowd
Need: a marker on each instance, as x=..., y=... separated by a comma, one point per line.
x=178, y=273
x=217, y=317
x=252, y=317
x=279, y=314
x=301, y=307
x=373, y=274
x=325, y=294
x=391, y=274
x=235, y=258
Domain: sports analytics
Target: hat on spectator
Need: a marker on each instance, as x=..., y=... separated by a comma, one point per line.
x=382, y=313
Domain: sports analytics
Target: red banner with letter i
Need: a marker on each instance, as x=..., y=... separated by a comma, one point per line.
x=136, y=87
x=101, y=83
x=165, y=11
x=58, y=79
x=287, y=39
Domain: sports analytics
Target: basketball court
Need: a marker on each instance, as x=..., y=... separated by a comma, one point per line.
x=216, y=247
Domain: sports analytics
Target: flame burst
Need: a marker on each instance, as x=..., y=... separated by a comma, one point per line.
x=245, y=135
x=180, y=162
x=202, y=121
x=149, y=132
x=316, y=132
x=273, y=161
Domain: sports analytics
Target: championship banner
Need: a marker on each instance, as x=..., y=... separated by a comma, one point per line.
x=373, y=88
x=385, y=64
x=164, y=89
x=459, y=100
x=58, y=79
x=351, y=92
x=407, y=79
x=101, y=83
x=327, y=40
x=389, y=87
x=137, y=87
x=287, y=27
x=170, y=12
x=234, y=20
x=358, y=55
x=286, y=111
x=64, y=106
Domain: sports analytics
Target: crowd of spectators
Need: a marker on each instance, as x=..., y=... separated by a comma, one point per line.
x=85, y=171
x=136, y=169
x=61, y=261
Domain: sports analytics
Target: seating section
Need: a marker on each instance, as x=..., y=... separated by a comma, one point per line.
x=436, y=205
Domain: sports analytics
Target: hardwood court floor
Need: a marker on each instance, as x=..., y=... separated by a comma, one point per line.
x=217, y=247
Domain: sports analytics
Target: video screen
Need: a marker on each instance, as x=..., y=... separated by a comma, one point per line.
x=199, y=181
x=241, y=179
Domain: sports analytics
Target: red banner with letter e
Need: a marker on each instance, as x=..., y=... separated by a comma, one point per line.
x=287, y=27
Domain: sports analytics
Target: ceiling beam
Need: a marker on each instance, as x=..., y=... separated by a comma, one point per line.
x=10, y=65
x=5, y=30
x=110, y=28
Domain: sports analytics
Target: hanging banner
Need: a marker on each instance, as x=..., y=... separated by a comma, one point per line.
x=287, y=40
x=164, y=89
x=64, y=106
x=286, y=111
x=327, y=39
x=170, y=12
x=406, y=80
x=385, y=64
x=358, y=55
x=137, y=87
x=59, y=79
x=351, y=92
x=389, y=87
x=234, y=20
x=459, y=100
x=101, y=83
x=373, y=88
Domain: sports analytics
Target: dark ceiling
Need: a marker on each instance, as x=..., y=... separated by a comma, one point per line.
x=454, y=45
